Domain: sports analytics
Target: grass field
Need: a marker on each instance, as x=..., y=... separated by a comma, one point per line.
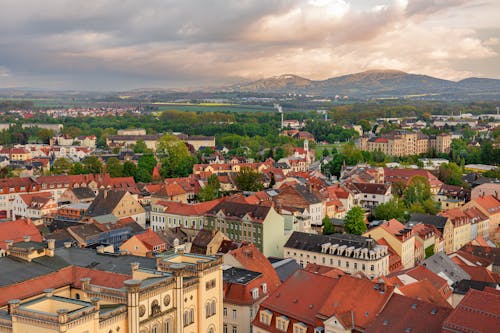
x=319, y=148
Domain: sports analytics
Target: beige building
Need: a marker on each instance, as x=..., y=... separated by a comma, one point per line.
x=461, y=227
x=403, y=143
x=398, y=237
x=182, y=294
x=119, y=204
x=350, y=253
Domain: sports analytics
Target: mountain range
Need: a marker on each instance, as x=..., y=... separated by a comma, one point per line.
x=373, y=84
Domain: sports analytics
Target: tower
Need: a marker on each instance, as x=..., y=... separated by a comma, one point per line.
x=306, y=149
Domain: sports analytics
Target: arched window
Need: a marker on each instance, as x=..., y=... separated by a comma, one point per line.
x=211, y=329
x=166, y=327
x=191, y=316
x=154, y=329
x=213, y=307
x=208, y=311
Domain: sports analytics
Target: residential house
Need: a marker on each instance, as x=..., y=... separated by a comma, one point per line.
x=116, y=204
x=249, y=279
x=35, y=206
x=147, y=243
x=400, y=238
x=370, y=195
x=486, y=189
x=257, y=224
x=461, y=227
x=17, y=231
x=207, y=242
x=77, y=195
x=480, y=223
x=349, y=253
x=300, y=196
x=490, y=207
x=404, y=176
x=441, y=223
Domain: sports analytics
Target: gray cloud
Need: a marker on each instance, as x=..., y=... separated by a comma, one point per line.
x=118, y=44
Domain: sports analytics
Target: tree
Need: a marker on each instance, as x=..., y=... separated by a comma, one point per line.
x=365, y=125
x=211, y=190
x=147, y=162
x=327, y=226
x=92, y=164
x=77, y=169
x=417, y=191
x=61, y=166
x=129, y=169
x=394, y=209
x=249, y=180
x=176, y=160
x=114, y=167
x=355, y=221
x=143, y=176
x=141, y=148
x=451, y=174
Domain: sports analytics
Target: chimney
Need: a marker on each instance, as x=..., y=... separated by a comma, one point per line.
x=26, y=238
x=8, y=243
x=100, y=249
x=85, y=282
x=134, y=266
x=67, y=245
x=13, y=304
x=95, y=302
x=49, y=292
x=51, y=246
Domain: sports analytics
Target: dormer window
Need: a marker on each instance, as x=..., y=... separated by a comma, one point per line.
x=265, y=317
x=282, y=323
x=299, y=328
x=255, y=293
x=264, y=288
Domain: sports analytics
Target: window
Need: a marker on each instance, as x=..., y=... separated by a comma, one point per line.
x=166, y=327
x=255, y=293
x=154, y=329
x=264, y=288
x=225, y=312
x=234, y=314
x=224, y=329
x=235, y=329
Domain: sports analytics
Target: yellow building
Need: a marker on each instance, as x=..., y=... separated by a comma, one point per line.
x=398, y=237
x=183, y=293
x=461, y=228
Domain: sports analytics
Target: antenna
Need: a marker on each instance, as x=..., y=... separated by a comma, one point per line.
x=280, y=110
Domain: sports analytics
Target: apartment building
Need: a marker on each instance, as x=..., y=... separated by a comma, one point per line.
x=350, y=253
x=403, y=143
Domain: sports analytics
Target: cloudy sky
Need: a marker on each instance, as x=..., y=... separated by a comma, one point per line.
x=124, y=44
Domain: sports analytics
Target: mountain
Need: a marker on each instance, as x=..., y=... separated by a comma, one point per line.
x=375, y=83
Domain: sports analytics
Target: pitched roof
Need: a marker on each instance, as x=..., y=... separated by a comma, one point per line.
x=426, y=291
x=360, y=300
x=479, y=311
x=105, y=202
x=489, y=203
x=237, y=210
x=83, y=193
x=184, y=209
x=313, y=242
x=487, y=252
x=405, y=314
x=437, y=221
x=150, y=239
x=16, y=230
x=443, y=266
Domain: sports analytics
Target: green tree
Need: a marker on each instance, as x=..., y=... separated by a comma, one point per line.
x=129, y=169
x=92, y=164
x=147, y=162
x=417, y=191
x=355, y=221
x=62, y=166
x=176, y=160
x=249, y=180
x=365, y=125
x=327, y=226
x=77, y=169
x=142, y=176
x=451, y=174
x=211, y=190
x=114, y=167
x=141, y=148
x=394, y=209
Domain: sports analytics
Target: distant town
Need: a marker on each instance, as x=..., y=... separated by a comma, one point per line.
x=127, y=220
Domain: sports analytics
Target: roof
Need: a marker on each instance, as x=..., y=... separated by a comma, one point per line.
x=489, y=204
x=301, y=296
x=201, y=241
x=105, y=202
x=150, y=239
x=443, y=266
x=371, y=188
x=479, y=311
x=83, y=193
x=325, y=270
x=285, y=267
x=490, y=253
x=184, y=209
x=359, y=300
x=16, y=230
x=426, y=291
x=437, y=221
x=405, y=314
x=238, y=210
x=313, y=242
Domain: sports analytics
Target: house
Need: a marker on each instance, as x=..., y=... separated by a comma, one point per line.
x=461, y=227
x=207, y=242
x=116, y=204
x=77, y=195
x=349, y=253
x=405, y=314
x=486, y=252
x=486, y=189
x=400, y=238
x=35, y=206
x=404, y=176
x=446, y=268
x=479, y=223
x=478, y=311
x=370, y=195
x=147, y=243
x=490, y=207
x=441, y=223
x=257, y=224
x=17, y=231
x=249, y=279
x=300, y=196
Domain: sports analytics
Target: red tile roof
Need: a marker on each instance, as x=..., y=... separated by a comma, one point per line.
x=16, y=230
x=184, y=209
x=150, y=239
x=479, y=311
x=404, y=314
x=424, y=290
x=325, y=270
x=359, y=299
x=489, y=204
x=481, y=274
x=70, y=275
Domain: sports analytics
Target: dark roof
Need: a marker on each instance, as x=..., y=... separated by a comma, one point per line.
x=83, y=192
x=490, y=253
x=285, y=268
x=202, y=239
x=239, y=275
x=312, y=242
x=228, y=245
x=16, y=270
x=462, y=287
x=239, y=210
x=441, y=263
x=307, y=195
x=105, y=202
x=437, y=221
x=372, y=188
x=86, y=230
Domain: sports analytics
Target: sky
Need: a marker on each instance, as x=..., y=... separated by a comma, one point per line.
x=127, y=44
